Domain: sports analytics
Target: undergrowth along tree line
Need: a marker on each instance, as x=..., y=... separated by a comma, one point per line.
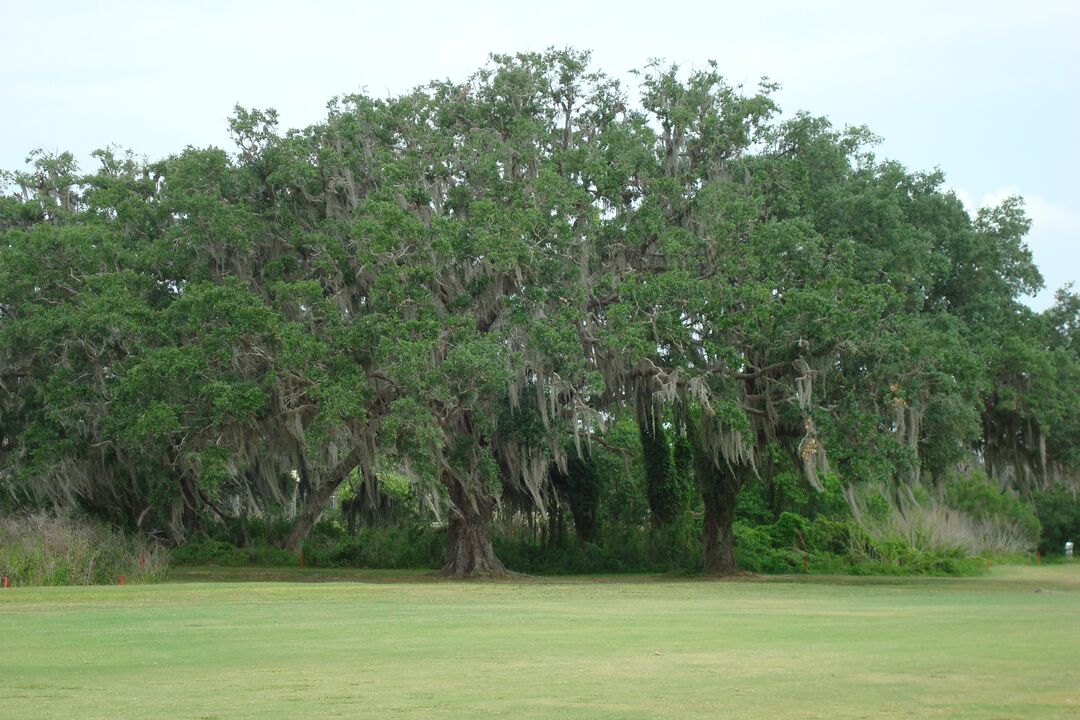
x=542, y=320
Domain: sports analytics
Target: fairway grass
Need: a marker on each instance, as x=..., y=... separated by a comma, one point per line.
x=386, y=645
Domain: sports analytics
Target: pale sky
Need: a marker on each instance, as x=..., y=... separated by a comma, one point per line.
x=989, y=92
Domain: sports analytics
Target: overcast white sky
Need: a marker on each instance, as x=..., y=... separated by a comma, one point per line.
x=987, y=91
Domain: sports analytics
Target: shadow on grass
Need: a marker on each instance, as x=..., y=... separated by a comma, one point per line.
x=1058, y=578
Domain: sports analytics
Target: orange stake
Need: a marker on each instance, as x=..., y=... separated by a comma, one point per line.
x=121, y=579
x=5, y=582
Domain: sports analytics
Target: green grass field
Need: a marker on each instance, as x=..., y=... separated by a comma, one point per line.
x=1006, y=645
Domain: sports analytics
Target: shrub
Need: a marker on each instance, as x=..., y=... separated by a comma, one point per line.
x=209, y=552
x=756, y=551
x=789, y=545
x=53, y=549
x=673, y=548
x=220, y=552
x=414, y=546
x=1059, y=513
x=789, y=531
x=831, y=546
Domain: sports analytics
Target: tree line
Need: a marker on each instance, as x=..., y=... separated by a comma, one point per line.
x=470, y=285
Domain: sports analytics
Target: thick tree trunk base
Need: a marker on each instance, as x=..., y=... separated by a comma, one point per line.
x=469, y=552
x=718, y=545
x=469, y=559
x=717, y=531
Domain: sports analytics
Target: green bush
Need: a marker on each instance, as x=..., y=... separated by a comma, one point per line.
x=327, y=545
x=901, y=557
x=673, y=548
x=220, y=552
x=413, y=546
x=838, y=537
x=789, y=531
x=756, y=550
x=245, y=531
x=795, y=544
x=792, y=544
x=209, y=552
x=1059, y=513
x=51, y=549
x=752, y=505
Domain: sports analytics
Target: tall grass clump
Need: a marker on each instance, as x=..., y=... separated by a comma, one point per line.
x=55, y=549
x=969, y=519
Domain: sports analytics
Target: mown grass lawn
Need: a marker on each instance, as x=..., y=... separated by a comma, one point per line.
x=1006, y=645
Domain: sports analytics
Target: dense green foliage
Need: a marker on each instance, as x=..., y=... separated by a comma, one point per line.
x=1059, y=514
x=569, y=328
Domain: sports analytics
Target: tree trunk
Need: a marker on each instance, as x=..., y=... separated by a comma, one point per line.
x=717, y=533
x=719, y=490
x=469, y=552
x=316, y=501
